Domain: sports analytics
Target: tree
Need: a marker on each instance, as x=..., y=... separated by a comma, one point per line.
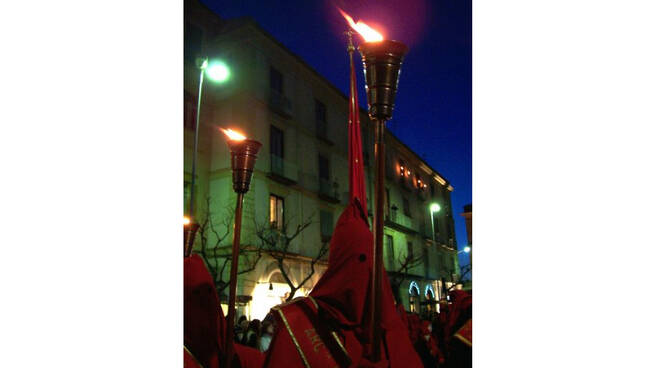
x=276, y=241
x=404, y=262
x=217, y=252
x=465, y=271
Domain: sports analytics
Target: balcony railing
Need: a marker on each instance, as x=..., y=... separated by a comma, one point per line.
x=401, y=222
x=282, y=170
x=280, y=104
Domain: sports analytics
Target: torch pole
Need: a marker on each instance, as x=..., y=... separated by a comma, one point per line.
x=229, y=336
x=376, y=286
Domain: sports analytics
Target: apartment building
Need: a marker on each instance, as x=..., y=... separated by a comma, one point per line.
x=301, y=175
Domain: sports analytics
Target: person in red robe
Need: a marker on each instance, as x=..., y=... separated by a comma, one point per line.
x=204, y=323
x=414, y=326
x=428, y=339
x=327, y=328
x=203, y=327
x=458, y=331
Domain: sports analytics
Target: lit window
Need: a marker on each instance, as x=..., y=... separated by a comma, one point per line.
x=276, y=211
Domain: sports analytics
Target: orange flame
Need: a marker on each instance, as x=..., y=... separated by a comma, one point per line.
x=369, y=34
x=233, y=135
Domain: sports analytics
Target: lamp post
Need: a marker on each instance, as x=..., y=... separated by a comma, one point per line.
x=243, y=157
x=219, y=72
x=433, y=209
x=382, y=63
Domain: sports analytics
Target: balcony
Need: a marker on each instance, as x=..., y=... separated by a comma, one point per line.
x=328, y=191
x=280, y=104
x=400, y=222
x=282, y=171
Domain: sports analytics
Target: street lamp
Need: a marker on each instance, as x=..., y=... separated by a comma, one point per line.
x=433, y=208
x=218, y=72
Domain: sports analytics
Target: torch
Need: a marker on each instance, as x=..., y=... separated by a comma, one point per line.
x=382, y=63
x=243, y=157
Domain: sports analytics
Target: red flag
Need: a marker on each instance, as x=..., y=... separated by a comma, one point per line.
x=356, y=189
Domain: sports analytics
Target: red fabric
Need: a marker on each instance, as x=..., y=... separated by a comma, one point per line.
x=404, y=316
x=248, y=357
x=356, y=186
x=460, y=306
x=414, y=325
x=341, y=294
x=189, y=361
x=343, y=289
x=292, y=319
x=465, y=332
x=431, y=342
x=204, y=323
x=203, y=326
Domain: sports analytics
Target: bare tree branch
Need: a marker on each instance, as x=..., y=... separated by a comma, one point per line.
x=465, y=270
x=276, y=242
x=405, y=262
x=217, y=254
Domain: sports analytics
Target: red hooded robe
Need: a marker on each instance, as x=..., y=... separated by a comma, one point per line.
x=204, y=323
x=337, y=304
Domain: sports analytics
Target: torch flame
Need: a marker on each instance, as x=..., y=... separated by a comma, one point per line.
x=233, y=135
x=369, y=34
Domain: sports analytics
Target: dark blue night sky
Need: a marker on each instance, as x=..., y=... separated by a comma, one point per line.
x=433, y=113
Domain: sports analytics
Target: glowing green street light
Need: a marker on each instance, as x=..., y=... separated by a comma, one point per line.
x=433, y=208
x=218, y=72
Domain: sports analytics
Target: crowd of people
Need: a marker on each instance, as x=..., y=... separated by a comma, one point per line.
x=443, y=339
x=255, y=334
x=440, y=339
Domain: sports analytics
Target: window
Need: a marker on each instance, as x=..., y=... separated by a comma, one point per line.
x=324, y=168
x=410, y=250
x=390, y=250
x=321, y=119
x=276, y=141
x=276, y=212
x=192, y=42
x=406, y=207
x=413, y=296
x=426, y=260
x=326, y=225
x=276, y=80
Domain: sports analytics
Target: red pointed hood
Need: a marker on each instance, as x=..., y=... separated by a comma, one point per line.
x=343, y=289
x=203, y=329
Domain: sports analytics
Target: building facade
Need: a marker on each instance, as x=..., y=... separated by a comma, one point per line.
x=301, y=175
